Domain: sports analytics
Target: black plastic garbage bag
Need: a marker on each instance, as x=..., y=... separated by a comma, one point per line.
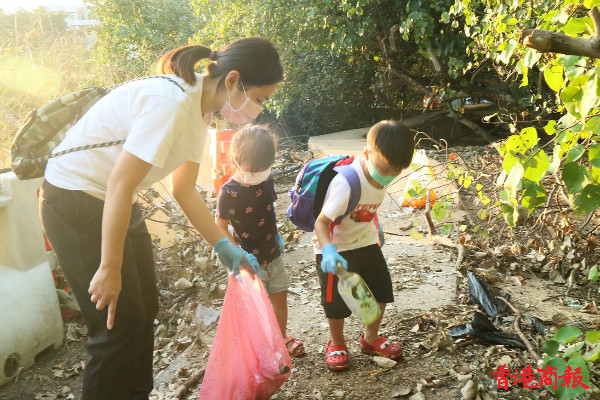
x=482, y=328
x=528, y=322
x=484, y=296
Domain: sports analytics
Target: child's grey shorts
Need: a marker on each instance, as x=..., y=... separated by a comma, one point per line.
x=274, y=276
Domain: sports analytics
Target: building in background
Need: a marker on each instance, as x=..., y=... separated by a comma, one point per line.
x=75, y=16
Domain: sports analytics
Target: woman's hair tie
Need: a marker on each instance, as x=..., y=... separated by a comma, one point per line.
x=212, y=55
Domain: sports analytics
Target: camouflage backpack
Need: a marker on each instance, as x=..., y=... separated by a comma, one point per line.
x=45, y=128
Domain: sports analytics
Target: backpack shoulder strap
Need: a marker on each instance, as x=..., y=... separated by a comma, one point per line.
x=349, y=173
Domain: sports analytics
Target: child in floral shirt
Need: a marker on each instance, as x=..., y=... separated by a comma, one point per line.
x=245, y=203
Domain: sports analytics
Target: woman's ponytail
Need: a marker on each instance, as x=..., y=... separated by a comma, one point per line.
x=255, y=58
x=182, y=60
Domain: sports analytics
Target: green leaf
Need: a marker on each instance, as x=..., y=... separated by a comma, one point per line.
x=510, y=214
x=508, y=51
x=529, y=137
x=574, y=176
x=515, y=144
x=574, y=348
x=590, y=3
x=593, y=354
x=569, y=61
x=571, y=93
x=580, y=80
x=573, y=66
x=594, y=155
x=554, y=76
x=575, y=153
x=593, y=274
x=438, y=213
x=532, y=56
x=592, y=336
x=571, y=97
x=562, y=392
x=588, y=200
x=509, y=161
x=514, y=178
x=550, y=127
x=576, y=26
x=446, y=229
x=521, y=68
x=415, y=234
x=567, y=334
x=482, y=214
x=577, y=362
x=560, y=366
x=468, y=180
x=551, y=347
x=555, y=164
x=536, y=167
x=589, y=99
x=534, y=195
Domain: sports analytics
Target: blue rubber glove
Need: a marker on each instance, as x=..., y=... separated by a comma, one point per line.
x=381, y=236
x=234, y=257
x=280, y=243
x=330, y=259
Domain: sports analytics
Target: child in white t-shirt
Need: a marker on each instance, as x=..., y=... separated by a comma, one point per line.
x=389, y=150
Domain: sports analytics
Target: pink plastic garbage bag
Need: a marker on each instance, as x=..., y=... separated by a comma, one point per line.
x=248, y=359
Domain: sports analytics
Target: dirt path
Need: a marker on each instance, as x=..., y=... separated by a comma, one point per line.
x=430, y=297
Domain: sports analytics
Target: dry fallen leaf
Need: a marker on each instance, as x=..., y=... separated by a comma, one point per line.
x=400, y=391
x=384, y=362
x=516, y=280
x=469, y=391
x=560, y=319
x=487, y=264
x=516, y=249
x=590, y=308
x=556, y=277
x=182, y=284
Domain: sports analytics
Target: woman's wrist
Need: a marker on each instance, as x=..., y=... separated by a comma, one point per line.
x=110, y=265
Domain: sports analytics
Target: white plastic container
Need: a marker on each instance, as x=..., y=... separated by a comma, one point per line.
x=30, y=320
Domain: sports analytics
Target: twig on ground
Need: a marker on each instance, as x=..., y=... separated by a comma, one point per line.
x=191, y=382
x=461, y=255
x=518, y=329
x=462, y=205
x=430, y=224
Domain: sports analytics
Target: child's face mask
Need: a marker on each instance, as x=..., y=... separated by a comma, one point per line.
x=383, y=180
x=248, y=111
x=252, y=178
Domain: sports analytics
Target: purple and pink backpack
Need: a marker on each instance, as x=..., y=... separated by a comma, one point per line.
x=308, y=194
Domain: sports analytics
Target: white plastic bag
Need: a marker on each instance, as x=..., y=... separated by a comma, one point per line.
x=418, y=182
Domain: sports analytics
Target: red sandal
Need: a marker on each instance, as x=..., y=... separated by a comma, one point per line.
x=381, y=347
x=294, y=346
x=337, y=357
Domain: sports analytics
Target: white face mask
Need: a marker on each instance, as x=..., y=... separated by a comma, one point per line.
x=251, y=178
x=247, y=111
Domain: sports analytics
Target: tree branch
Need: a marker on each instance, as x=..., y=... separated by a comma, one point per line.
x=472, y=125
x=427, y=213
x=536, y=357
x=409, y=80
x=554, y=42
x=595, y=15
x=437, y=65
